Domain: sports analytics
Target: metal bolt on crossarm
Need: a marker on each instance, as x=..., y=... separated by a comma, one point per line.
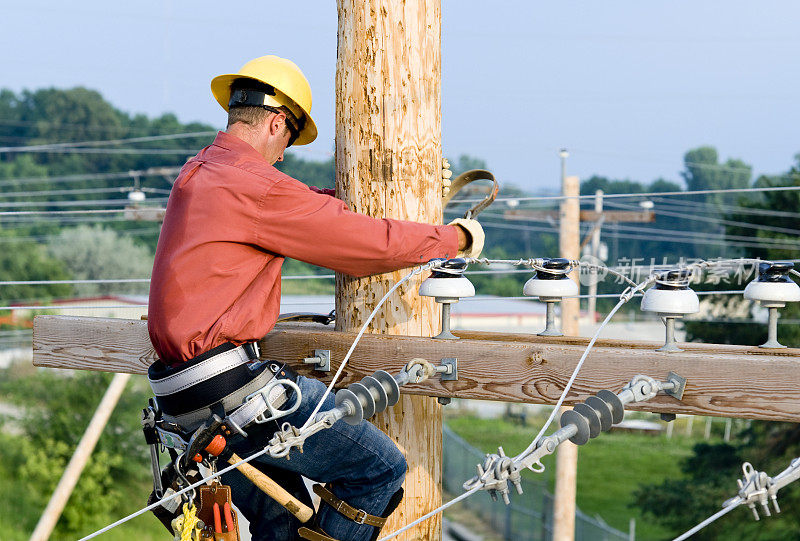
x=773, y=289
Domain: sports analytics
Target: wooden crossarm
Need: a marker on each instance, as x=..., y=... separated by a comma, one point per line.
x=723, y=380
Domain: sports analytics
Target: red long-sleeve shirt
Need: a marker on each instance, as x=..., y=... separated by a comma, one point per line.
x=231, y=219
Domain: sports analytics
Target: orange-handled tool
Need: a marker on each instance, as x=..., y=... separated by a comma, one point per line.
x=226, y=511
x=217, y=519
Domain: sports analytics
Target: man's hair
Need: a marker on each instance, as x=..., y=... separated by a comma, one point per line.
x=252, y=115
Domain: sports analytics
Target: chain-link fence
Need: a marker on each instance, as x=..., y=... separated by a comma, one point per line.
x=529, y=517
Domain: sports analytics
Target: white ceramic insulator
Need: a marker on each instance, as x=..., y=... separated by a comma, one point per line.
x=772, y=292
x=136, y=196
x=447, y=288
x=670, y=301
x=564, y=287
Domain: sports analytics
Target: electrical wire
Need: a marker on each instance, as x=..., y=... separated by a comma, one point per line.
x=717, y=207
x=77, y=203
x=165, y=170
x=722, y=512
x=645, y=194
x=673, y=240
x=104, y=142
x=720, y=221
x=418, y=270
x=81, y=191
x=624, y=298
x=63, y=212
x=142, y=151
x=175, y=495
x=436, y=511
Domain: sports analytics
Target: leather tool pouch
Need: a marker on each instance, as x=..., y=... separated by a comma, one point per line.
x=207, y=496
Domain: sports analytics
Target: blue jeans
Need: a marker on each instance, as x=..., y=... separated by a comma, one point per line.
x=364, y=465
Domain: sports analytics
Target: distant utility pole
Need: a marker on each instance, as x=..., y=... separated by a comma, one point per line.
x=567, y=454
x=598, y=208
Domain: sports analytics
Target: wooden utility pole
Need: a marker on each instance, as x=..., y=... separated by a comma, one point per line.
x=567, y=454
x=388, y=165
x=79, y=458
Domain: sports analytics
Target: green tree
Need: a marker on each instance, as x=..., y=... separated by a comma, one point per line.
x=710, y=474
x=705, y=172
x=93, y=252
x=23, y=260
x=56, y=408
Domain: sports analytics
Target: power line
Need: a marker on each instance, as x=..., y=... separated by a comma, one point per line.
x=144, y=151
x=745, y=225
x=60, y=212
x=75, y=203
x=39, y=238
x=76, y=144
x=716, y=208
x=679, y=240
x=645, y=194
x=165, y=171
x=82, y=191
x=679, y=233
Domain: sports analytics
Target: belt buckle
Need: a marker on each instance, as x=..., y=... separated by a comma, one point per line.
x=361, y=516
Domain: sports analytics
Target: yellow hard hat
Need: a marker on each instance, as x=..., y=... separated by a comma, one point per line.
x=291, y=89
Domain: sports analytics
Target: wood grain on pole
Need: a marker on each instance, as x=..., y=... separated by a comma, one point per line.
x=79, y=458
x=567, y=454
x=388, y=165
x=745, y=382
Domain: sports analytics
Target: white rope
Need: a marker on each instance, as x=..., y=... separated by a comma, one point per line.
x=414, y=272
x=432, y=513
x=268, y=447
x=172, y=496
x=709, y=520
x=625, y=297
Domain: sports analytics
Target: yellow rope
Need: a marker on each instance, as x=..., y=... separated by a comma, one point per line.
x=190, y=520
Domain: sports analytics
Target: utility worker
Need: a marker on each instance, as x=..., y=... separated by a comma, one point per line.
x=231, y=220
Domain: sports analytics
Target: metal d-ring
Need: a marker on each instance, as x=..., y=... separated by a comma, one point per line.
x=275, y=413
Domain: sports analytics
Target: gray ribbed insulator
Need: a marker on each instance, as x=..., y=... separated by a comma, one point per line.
x=603, y=409
x=591, y=416
x=365, y=397
x=378, y=393
x=349, y=401
x=389, y=385
x=617, y=407
x=572, y=417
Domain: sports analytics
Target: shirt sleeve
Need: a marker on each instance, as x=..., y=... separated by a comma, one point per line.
x=298, y=223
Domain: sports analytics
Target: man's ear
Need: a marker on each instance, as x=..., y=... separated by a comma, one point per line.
x=277, y=123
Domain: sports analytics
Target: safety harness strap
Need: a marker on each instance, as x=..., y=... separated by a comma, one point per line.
x=356, y=515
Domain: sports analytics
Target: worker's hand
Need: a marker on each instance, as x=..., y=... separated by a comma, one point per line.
x=446, y=174
x=473, y=240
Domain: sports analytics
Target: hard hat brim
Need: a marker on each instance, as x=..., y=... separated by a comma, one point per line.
x=221, y=89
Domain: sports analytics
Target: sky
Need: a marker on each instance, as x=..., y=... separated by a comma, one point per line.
x=626, y=86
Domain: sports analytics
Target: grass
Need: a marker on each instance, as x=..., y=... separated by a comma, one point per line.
x=610, y=467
